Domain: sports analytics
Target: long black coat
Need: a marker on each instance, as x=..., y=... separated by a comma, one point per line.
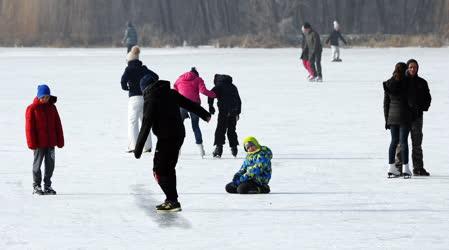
x=161, y=112
x=396, y=110
x=131, y=77
x=418, y=95
x=227, y=95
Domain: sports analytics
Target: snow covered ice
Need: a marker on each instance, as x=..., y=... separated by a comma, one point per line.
x=329, y=185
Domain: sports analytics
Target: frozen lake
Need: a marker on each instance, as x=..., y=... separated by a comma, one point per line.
x=329, y=185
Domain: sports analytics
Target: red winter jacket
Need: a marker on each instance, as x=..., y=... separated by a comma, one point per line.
x=189, y=85
x=43, y=125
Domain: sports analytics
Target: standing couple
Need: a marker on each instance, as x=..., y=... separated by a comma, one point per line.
x=406, y=97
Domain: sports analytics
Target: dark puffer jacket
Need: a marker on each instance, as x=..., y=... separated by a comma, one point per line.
x=227, y=94
x=396, y=110
x=333, y=38
x=418, y=95
x=132, y=75
x=161, y=112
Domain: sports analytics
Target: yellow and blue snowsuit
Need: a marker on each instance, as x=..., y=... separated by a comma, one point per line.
x=256, y=167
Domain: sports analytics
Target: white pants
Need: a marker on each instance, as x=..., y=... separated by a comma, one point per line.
x=335, y=52
x=135, y=115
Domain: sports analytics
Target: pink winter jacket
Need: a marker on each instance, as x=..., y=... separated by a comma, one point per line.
x=189, y=85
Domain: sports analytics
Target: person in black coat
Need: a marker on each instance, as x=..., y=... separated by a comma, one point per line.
x=131, y=82
x=397, y=118
x=333, y=38
x=229, y=109
x=161, y=113
x=419, y=100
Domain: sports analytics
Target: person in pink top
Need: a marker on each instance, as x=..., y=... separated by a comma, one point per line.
x=190, y=85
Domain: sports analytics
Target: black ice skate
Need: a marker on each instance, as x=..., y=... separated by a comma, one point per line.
x=420, y=172
x=169, y=206
x=49, y=191
x=234, y=151
x=38, y=190
x=218, y=151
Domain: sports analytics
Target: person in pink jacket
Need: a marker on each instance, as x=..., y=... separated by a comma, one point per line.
x=190, y=85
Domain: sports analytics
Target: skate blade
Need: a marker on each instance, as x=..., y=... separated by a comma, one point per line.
x=407, y=176
x=174, y=210
x=390, y=176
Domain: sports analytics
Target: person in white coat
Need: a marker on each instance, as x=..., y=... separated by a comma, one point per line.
x=130, y=82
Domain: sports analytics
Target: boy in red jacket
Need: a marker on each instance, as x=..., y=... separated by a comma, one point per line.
x=44, y=132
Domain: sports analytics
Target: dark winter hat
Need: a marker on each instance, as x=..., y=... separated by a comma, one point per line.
x=148, y=80
x=194, y=71
x=307, y=25
x=42, y=90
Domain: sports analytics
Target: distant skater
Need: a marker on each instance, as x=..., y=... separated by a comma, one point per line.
x=255, y=172
x=161, y=114
x=190, y=85
x=43, y=132
x=315, y=49
x=131, y=82
x=305, y=55
x=229, y=109
x=130, y=37
x=333, y=40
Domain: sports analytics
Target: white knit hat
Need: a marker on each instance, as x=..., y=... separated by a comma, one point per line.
x=133, y=54
x=336, y=26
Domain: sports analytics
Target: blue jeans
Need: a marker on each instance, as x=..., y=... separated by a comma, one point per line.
x=195, y=124
x=399, y=134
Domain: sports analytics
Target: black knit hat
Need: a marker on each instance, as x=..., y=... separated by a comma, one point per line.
x=194, y=71
x=307, y=25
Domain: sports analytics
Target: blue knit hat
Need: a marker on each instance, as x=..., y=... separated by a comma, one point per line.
x=147, y=80
x=42, y=90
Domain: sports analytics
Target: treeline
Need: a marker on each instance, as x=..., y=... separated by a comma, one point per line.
x=246, y=23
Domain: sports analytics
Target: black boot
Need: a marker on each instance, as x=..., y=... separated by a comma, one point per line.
x=420, y=172
x=218, y=151
x=234, y=151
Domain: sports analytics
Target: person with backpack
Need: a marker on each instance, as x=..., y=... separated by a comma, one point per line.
x=131, y=82
x=255, y=172
x=229, y=109
x=190, y=85
x=43, y=132
x=161, y=114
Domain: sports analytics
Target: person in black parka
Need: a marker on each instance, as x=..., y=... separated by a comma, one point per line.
x=161, y=113
x=333, y=39
x=397, y=118
x=419, y=100
x=229, y=109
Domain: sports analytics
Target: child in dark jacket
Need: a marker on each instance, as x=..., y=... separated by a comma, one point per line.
x=229, y=109
x=161, y=113
x=43, y=132
x=255, y=173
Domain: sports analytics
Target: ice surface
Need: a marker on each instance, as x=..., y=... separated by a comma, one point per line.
x=329, y=185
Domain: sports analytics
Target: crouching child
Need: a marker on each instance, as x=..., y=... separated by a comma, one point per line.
x=255, y=173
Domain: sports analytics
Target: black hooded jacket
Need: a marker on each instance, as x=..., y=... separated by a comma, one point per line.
x=161, y=112
x=132, y=75
x=227, y=95
x=418, y=95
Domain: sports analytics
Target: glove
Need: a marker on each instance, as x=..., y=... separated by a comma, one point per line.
x=137, y=154
x=237, y=117
x=387, y=127
x=211, y=109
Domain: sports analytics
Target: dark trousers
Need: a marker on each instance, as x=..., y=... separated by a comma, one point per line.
x=164, y=163
x=417, y=137
x=129, y=47
x=39, y=155
x=226, y=124
x=399, y=135
x=315, y=63
x=195, y=124
x=247, y=188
